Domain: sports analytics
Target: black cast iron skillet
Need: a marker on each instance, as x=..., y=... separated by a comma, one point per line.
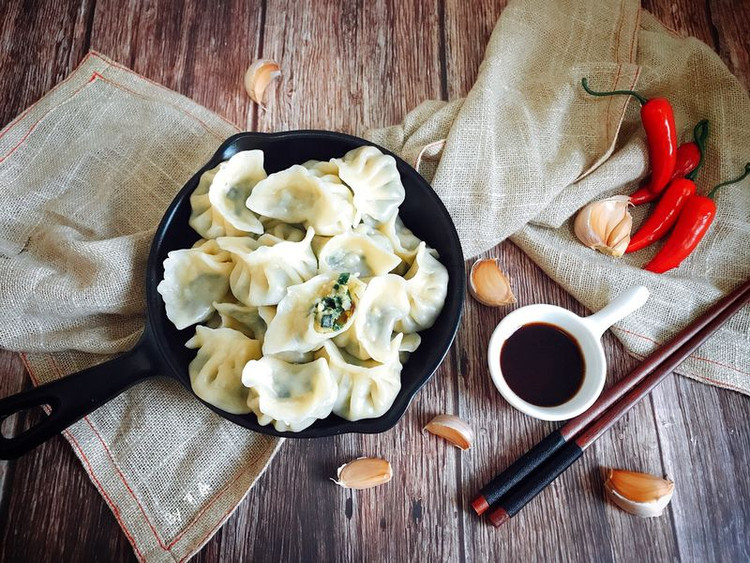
x=161, y=350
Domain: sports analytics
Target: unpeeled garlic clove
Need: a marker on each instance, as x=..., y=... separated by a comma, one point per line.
x=638, y=493
x=363, y=473
x=489, y=285
x=258, y=77
x=605, y=225
x=453, y=429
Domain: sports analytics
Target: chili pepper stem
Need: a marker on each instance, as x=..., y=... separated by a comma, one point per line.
x=700, y=133
x=585, y=84
x=747, y=171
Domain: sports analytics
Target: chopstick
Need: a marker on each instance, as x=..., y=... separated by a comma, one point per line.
x=558, y=443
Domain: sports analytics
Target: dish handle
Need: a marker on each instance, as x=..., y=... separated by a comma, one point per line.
x=73, y=397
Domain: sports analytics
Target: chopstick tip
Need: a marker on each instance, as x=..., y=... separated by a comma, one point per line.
x=498, y=517
x=480, y=505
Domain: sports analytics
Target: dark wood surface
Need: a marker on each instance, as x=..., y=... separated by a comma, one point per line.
x=348, y=66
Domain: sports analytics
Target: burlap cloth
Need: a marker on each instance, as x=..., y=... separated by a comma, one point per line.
x=87, y=172
x=528, y=147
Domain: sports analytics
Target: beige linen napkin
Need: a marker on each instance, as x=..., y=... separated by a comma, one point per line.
x=85, y=175
x=528, y=147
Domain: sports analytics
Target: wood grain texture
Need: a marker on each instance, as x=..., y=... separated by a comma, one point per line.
x=348, y=66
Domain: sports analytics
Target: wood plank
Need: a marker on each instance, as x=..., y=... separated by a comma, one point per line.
x=571, y=519
x=383, y=59
x=372, y=83
x=730, y=24
x=201, y=50
x=706, y=450
x=12, y=380
x=54, y=513
x=350, y=66
x=465, y=41
x=33, y=58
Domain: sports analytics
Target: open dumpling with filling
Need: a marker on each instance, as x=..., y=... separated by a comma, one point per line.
x=216, y=371
x=296, y=195
x=291, y=396
x=313, y=312
x=262, y=274
x=384, y=303
x=375, y=181
x=193, y=279
x=426, y=287
x=218, y=203
x=366, y=388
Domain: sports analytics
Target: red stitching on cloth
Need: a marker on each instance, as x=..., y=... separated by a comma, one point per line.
x=131, y=71
x=90, y=470
x=28, y=109
x=192, y=521
x=23, y=139
x=702, y=378
x=701, y=358
x=207, y=506
x=609, y=102
x=211, y=531
x=113, y=507
x=114, y=464
x=139, y=95
x=636, y=27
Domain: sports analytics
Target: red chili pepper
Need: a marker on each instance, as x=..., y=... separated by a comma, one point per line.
x=661, y=134
x=664, y=216
x=688, y=157
x=695, y=219
x=672, y=200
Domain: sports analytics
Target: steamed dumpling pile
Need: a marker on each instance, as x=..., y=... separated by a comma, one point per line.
x=307, y=290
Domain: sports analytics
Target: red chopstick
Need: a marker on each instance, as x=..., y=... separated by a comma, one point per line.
x=653, y=369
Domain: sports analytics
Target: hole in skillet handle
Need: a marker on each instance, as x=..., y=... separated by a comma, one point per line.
x=422, y=212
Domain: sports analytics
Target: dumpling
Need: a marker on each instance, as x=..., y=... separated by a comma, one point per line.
x=427, y=287
x=375, y=181
x=356, y=253
x=244, y=318
x=312, y=313
x=296, y=195
x=193, y=279
x=216, y=371
x=282, y=230
x=384, y=303
x=218, y=203
x=403, y=241
x=366, y=389
x=323, y=168
x=291, y=396
x=409, y=344
x=262, y=275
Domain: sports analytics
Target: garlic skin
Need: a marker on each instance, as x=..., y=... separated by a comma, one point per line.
x=363, y=473
x=257, y=78
x=640, y=494
x=452, y=429
x=489, y=285
x=605, y=225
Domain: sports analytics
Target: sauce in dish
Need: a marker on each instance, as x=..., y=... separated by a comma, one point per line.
x=542, y=364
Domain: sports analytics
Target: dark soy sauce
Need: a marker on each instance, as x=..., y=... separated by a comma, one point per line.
x=542, y=364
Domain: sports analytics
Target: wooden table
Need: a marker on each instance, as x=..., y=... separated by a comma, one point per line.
x=349, y=66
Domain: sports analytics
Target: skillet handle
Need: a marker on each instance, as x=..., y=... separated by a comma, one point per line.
x=73, y=397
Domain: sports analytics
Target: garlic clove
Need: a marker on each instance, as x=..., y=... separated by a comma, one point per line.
x=453, y=429
x=363, y=473
x=257, y=78
x=605, y=225
x=489, y=285
x=640, y=494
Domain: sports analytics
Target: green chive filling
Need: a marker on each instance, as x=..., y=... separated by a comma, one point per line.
x=334, y=310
